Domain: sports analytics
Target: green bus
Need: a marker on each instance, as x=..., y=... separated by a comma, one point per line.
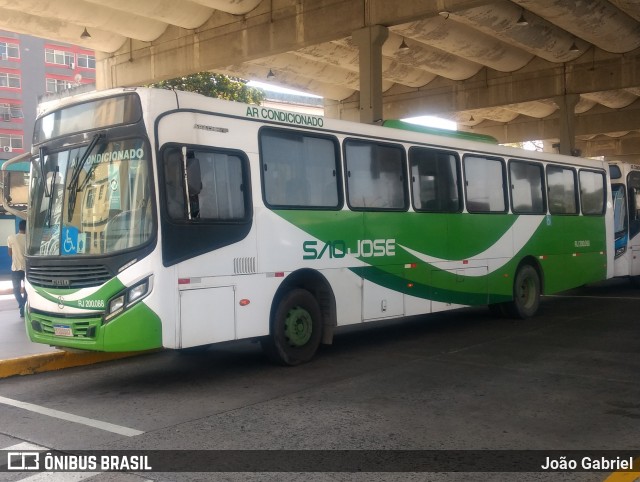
x=168, y=219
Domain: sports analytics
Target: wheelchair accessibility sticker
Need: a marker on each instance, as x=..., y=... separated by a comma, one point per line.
x=73, y=242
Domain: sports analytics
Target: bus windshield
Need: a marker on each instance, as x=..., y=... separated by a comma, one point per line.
x=91, y=200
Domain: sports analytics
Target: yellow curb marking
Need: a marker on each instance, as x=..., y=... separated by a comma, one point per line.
x=621, y=476
x=45, y=362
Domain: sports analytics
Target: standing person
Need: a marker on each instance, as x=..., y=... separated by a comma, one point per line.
x=16, y=243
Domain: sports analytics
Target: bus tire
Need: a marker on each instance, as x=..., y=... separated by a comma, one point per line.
x=296, y=329
x=526, y=293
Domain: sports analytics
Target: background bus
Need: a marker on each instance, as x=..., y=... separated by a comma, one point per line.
x=625, y=186
x=163, y=218
x=14, y=188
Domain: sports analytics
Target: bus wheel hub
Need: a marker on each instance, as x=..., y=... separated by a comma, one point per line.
x=298, y=326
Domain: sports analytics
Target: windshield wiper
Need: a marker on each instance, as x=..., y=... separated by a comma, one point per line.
x=54, y=175
x=43, y=152
x=77, y=169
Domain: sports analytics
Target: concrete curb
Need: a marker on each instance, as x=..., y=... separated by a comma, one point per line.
x=46, y=362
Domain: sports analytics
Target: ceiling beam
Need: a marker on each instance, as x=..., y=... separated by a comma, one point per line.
x=596, y=121
x=274, y=27
x=540, y=80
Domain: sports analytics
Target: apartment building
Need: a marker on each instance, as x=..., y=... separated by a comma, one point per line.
x=31, y=68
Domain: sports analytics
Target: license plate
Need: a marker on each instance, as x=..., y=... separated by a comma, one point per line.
x=62, y=330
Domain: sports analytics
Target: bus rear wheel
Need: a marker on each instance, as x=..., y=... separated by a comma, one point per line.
x=296, y=329
x=526, y=293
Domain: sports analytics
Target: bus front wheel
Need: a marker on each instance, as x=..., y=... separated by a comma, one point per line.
x=296, y=329
x=526, y=293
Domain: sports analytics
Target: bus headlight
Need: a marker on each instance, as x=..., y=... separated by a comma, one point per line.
x=116, y=305
x=138, y=291
x=124, y=300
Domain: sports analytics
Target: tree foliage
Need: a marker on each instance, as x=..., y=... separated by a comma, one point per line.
x=215, y=85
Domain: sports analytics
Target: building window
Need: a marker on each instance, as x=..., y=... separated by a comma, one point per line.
x=90, y=199
x=86, y=61
x=9, y=51
x=14, y=141
x=9, y=111
x=58, y=57
x=9, y=80
x=57, y=85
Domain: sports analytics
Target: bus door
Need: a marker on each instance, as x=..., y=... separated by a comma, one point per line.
x=633, y=190
x=621, y=230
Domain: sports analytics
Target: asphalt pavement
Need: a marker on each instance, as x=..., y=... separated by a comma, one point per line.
x=13, y=337
x=20, y=356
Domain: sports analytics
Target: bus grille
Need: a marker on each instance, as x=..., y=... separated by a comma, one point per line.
x=80, y=329
x=68, y=276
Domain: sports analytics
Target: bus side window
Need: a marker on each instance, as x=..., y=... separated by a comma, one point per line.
x=221, y=196
x=434, y=180
x=634, y=211
x=484, y=178
x=562, y=192
x=194, y=185
x=633, y=189
x=174, y=184
x=527, y=195
x=375, y=175
x=592, y=192
x=299, y=169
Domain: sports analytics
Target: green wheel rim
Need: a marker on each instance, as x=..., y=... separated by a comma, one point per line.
x=298, y=326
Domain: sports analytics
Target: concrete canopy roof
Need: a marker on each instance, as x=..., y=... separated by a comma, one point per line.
x=494, y=66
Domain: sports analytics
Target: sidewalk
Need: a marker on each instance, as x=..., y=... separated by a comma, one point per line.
x=19, y=356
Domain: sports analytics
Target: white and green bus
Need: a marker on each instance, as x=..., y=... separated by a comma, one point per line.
x=625, y=187
x=168, y=219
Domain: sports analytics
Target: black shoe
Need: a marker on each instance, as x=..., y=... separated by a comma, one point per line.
x=21, y=312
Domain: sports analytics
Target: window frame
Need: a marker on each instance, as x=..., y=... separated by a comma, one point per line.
x=58, y=82
x=404, y=180
x=8, y=47
x=68, y=57
x=14, y=141
x=10, y=76
x=456, y=156
x=87, y=59
x=505, y=195
x=337, y=168
x=576, y=191
x=246, y=183
x=604, y=191
x=543, y=186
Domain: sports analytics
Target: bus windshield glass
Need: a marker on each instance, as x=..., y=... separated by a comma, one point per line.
x=91, y=200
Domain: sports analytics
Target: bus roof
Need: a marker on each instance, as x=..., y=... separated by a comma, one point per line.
x=470, y=136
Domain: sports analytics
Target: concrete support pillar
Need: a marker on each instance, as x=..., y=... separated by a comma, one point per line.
x=567, y=104
x=369, y=41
